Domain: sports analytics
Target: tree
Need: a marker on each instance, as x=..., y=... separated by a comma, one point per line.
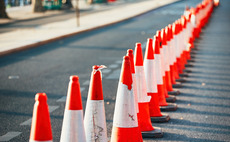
x=37, y=6
x=3, y=13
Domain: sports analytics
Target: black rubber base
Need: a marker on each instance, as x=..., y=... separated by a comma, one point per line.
x=189, y=65
x=191, y=61
x=175, y=92
x=181, y=80
x=161, y=119
x=156, y=133
x=169, y=107
x=171, y=99
x=183, y=75
x=177, y=85
x=187, y=71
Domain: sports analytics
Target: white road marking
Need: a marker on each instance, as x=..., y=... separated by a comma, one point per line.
x=29, y=121
x=8, y=136
x=114, y=75
x=106, y=70
x=13, y=77
x=118, y=62
x=86, y=82
x=63, y=99
x=112, y=66
x=53, y=108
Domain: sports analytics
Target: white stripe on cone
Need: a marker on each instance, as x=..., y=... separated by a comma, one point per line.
x=162, y=62
x=141, y=85
x=159, y=79
x=124, y=114
x=73, y=127
x=94, y=121
x=135, y=92
x=149, y=69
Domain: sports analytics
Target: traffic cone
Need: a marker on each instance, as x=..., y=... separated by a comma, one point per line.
x=125, y=123
x=130, y=54
x=94, y=120
x=41, y=127
x=173, y=70
x=169, y=75
x=216, y=3
x=164, y=106
x=176, y=34
x=73, y=126
x=147, y=97
x=143, y=116
x=163, y=50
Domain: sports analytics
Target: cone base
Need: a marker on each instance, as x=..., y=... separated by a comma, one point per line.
x=187, y=71
x=189, y=65
x=180, y=80
x=175, y=92
x=160, y=119
x=191, y=61
x=177, y=85
x=156, y=133
x=169, y=107
x=171, y=99
x=183, y=75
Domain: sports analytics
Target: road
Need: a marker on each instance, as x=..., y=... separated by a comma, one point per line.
x=203, y=113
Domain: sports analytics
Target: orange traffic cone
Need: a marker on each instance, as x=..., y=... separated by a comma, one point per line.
x=41, y=127
x=73, y=126
x=148, y=101
x=169, y=72
x=176, y=34
x=94, y=120
x=125, y=123
x=143, y=116
x=130, y=54
x=164, y=106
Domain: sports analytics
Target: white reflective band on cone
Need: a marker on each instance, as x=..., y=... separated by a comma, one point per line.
x=73, y=127
x=135, y=92
x=141, y=85
x=94, y=121
x=162, y=62
x=177, y=46
x=150, y=74
x=158, y=68
x=125, y=114
x=171, y=52
x=166, y=58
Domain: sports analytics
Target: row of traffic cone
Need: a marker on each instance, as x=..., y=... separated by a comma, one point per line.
x=144, y=90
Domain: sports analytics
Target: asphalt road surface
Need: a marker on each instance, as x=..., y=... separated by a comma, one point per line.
x=204, y=104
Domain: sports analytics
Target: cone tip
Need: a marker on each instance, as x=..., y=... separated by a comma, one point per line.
x=130, y=51
x=41, y=97
x=74, y=78
x=126, y=58
x=138, y=44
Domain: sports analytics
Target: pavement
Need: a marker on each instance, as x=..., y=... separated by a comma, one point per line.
x=42, y=34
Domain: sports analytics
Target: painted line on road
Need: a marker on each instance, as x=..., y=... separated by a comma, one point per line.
x=113, y=66
x=29, y=121
x=114, y=75
x=9, y=135
x=86, y=82
x=118, y=62
x=106, y=70
x=63, y=99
